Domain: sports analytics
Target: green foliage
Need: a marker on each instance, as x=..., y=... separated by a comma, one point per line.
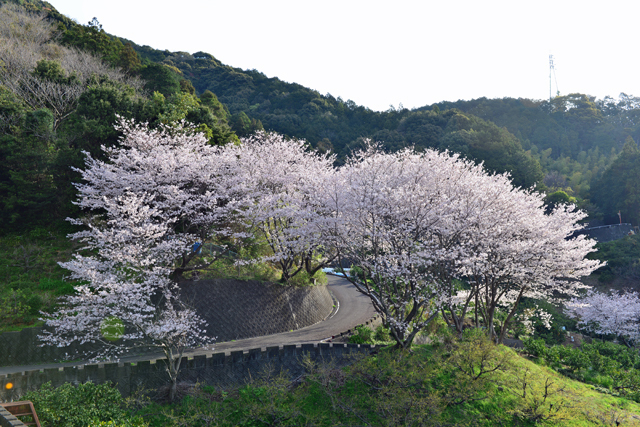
x=128, y=59
x=177, y=107
x=85, y=405
x=13, y=307
x=619, y=187
x=226, y=268
x=210, y=100
x=31, y=278
x=242, y=125
x=612, y=367
x=303, y=278
x=160, y=78
x=557, y=198
x=535, y=346
x=363, y=335
x=187, y=87
x=125, y=423
x=50, y=70
x=92, y=38
x=622, y=257
x=381, y=334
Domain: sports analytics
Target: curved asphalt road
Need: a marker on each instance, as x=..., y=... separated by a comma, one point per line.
x=353, y=309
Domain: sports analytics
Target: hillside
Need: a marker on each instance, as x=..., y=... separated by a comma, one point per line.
x=330, y=123
x=64, y=87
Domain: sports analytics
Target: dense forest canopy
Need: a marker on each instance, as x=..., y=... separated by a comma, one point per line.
x=62, y=85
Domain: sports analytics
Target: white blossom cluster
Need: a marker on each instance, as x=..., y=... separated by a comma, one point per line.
x=529, y=315
x=279, y=180
x=616, y=313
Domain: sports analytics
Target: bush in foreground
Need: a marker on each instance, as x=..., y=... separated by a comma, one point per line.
x=85, y=405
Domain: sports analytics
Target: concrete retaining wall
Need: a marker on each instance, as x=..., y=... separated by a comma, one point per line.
x=217, y=369
x=233, y=309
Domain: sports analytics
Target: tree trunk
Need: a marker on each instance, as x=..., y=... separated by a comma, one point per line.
x=173, y=391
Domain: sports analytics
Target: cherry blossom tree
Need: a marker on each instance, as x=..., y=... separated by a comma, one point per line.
x=521, y=252
x=385, y=210
x=280, y=177
x=149, y=202
x=417, y=225
x=617, y=313
x=184, y=180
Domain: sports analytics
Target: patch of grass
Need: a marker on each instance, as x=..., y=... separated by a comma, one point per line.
x=366, y=335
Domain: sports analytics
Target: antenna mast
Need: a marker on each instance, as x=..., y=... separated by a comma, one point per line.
x=552, y=73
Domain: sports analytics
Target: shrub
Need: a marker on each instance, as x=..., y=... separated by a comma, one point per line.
x=535, y=347
x=576, y=359
x=381, y=334
x=13, y=307
x=363, y=335
x=305, y=279
x=34, y=302
x=85, y=405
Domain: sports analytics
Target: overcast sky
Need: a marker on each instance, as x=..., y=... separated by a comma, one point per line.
x=382, y=53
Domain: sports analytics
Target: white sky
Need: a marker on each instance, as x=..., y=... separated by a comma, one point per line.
x=382, y=53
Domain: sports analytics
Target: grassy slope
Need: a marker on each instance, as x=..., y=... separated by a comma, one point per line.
x=434, y=385
x=580, y=404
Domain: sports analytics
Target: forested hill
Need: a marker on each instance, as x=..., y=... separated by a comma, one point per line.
x=63, y=84
x=577, y=139
x=567, y=124
x=332, y=123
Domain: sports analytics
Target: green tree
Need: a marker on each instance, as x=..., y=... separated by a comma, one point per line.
x=128, y=59
x=210, y=100
x=619, y=187
x=557, y=198
x=92, y=38
x=187, y=87
x=50, y=70
x=242, y=125
x=160, y=78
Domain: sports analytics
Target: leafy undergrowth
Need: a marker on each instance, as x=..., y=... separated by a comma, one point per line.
x=30, y=277
x=612, y=368
x=469, y=382
x=81, y=406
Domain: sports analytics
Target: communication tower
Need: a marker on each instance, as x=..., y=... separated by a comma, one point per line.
x=552, y=78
